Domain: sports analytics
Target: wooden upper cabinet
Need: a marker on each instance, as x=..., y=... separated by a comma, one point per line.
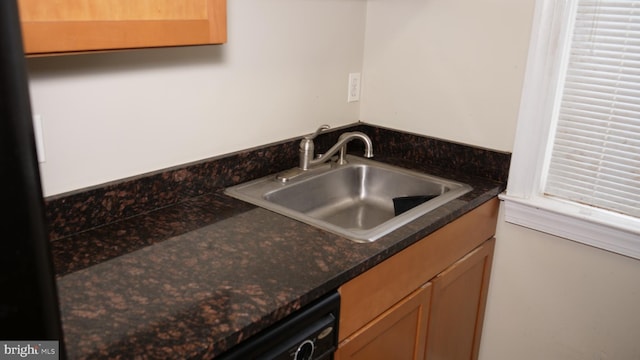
x=67, y=26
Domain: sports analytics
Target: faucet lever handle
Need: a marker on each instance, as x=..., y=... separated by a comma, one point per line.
x=320, y=129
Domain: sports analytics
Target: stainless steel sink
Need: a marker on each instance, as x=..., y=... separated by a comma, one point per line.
x=355, y=200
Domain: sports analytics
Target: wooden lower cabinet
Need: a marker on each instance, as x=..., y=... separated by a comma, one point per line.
x=442, y=320
x=457, y=307
x=427, y=301
x=398, y=333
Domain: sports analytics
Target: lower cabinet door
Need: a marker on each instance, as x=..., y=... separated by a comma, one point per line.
x=457, y=306
x=399, y=333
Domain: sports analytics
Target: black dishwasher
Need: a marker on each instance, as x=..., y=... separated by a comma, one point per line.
x=310, y=333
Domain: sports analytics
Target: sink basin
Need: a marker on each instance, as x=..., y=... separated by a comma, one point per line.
x=355, y=200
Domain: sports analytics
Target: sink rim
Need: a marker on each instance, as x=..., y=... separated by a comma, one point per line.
x=255, y=192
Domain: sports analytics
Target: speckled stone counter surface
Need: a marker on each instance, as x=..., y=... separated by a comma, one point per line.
x=167, y=266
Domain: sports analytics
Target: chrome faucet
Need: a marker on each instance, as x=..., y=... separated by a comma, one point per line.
x=307, y=160
x=307, y=156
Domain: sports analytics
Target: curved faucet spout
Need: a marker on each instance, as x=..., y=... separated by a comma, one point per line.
x=341, y=146
x=306, y=150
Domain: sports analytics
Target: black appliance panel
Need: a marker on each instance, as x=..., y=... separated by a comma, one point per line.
x=309, y=334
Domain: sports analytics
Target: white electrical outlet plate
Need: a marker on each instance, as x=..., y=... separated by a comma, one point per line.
x=37, y=132
x=354, y=87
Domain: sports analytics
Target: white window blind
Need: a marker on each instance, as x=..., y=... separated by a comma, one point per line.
x=595, y=158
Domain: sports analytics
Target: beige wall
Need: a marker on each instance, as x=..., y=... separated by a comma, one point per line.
x=451, y=69
x=552, y=298
x=282, y=73
x=446, y=68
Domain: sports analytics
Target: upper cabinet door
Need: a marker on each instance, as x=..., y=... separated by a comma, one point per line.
x=67, y=26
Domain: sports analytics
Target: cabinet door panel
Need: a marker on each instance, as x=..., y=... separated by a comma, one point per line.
x=86, y=25
x=398, y=333
x=457, y=307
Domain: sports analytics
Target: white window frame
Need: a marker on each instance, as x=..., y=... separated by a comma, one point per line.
x=524, y=201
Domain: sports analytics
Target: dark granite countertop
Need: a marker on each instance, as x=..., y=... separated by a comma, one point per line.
x=194, y=275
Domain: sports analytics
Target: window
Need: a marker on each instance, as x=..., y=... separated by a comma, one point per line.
x=575, y=169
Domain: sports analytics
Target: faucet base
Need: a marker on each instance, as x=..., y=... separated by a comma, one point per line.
x=296, y=173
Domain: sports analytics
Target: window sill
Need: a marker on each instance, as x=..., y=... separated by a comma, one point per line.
x=609, y=231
